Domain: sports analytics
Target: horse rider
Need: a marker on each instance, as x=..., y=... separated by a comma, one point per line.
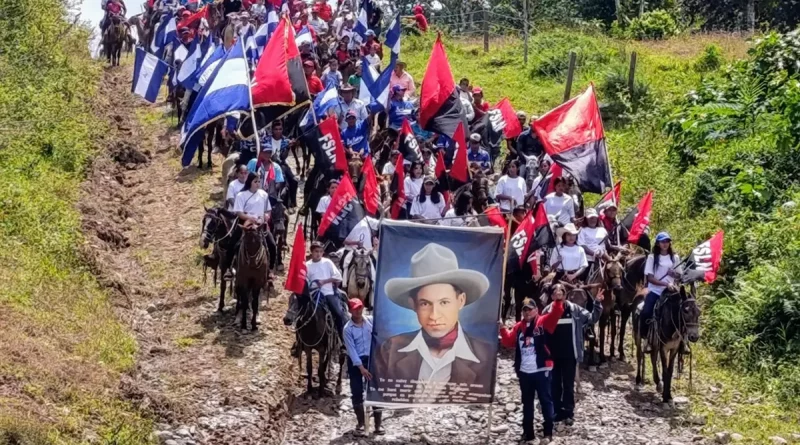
x=358, y=342
x=113, y=8
x=362, y=236
x=662, y=269
x=593, y=239
x=251, y=204
x=399, y=109
x=569, y=260
x=323, y=273
x=236, y=186
x=559, y=205
x=325, y=201
x=280, y=149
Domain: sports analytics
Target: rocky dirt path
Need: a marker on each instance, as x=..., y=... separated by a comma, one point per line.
x=206, y=382
x=209, y=384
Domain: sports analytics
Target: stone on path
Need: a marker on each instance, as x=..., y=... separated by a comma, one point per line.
x=778, y=440
x=722, y=437
x=736, y=437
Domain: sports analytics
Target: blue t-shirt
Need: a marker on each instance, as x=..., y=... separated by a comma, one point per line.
x=399, y=109
x=481, y=158
x=357, y=137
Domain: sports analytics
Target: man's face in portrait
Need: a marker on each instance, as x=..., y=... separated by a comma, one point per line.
x=437, y=307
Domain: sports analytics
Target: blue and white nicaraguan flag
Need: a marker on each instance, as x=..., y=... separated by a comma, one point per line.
x=148, y=74
x=393, y=35
x=226, y=91
x=374, y=89
x=322, y=103
x=362, y=22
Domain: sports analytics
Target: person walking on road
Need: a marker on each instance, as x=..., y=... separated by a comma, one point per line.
x=358, y=341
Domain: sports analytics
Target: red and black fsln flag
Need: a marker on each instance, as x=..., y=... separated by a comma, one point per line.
x=440, y=108
x=637, y=222
x=407, y=143
x=572, y=134
x=398, y=190
x=325, y=144
x=500, y=122
x=532, y=234
x=459, y=172
x=703, y=263
x=344, y=213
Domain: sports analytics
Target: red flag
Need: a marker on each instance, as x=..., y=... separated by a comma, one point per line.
x=279, y=79
x=442, y=183
x=610, y=197
x=440, y=107
x=372, y=195
x=532, y=234
x=193, y=21
x=329, y=146
x=703, y=262
x=460, y=169
x=510, y=123
x=296, y=278
x=344, y=212
x=496, y=218
x=549, y=181
x=398, y=189
x=407, y=143
x=572, y=134
x=641, y=220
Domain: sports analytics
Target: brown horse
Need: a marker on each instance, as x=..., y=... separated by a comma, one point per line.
x=612, y=281
x=113, y=39
x=218, y=228
x=632, y=282
x=252, y=272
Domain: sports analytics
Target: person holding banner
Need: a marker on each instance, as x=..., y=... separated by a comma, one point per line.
x=532, y=361
x=662, y=268
x=358, y=342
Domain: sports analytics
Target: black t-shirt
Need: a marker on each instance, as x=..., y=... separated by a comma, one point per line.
x=231, y=6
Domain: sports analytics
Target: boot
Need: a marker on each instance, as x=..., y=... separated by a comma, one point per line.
x=359, y=409
x=378, y=416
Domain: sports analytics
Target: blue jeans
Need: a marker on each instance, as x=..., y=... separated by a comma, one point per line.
x=357, y=380
x=647, y=311
x=530, y=385
x=335, y=306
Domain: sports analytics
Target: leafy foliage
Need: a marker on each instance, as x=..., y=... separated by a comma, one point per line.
x=711, y=60
x=653, y=25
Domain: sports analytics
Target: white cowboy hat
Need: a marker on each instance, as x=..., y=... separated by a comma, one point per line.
x=569, y=228
x=435, y=264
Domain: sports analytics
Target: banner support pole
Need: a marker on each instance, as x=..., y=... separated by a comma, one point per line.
x=367, y=415
x=489, y=422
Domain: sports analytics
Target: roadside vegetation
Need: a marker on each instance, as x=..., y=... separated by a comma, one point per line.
x=62, y=349
x=711, y=127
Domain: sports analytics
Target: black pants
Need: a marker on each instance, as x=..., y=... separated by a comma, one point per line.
x=563, y=387
x=357, y=380
x=518, y=284
x=291, y=184
x=530, y=385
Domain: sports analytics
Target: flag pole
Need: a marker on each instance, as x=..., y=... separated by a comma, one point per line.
x=250, y=94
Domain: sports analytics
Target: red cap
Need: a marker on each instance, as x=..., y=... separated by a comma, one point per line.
x=477, y=90
x=309, y=63
x=354, y=304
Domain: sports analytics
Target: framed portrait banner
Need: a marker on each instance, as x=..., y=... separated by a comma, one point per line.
x=437, y=298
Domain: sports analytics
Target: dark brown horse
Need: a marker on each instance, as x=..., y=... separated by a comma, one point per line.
x=220, y=228
x=612, y=280
x=315, y=331
x=252, y=272
x=675, y=322
x=632, y=282
x=113, y=39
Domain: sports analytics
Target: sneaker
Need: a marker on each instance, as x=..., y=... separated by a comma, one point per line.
x=359, y=431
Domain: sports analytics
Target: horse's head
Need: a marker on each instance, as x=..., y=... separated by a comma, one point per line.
x=614, y=273
x=362, y=265
x=292, y=311
x=354, y=168
x=690, y=314
x=211, y=222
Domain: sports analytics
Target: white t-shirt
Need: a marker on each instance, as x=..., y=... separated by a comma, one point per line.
x=252, y=204
x=427, y=209
x=593, y=238
x=374, y=60
x=322, y=270
x=388, y=169
x=323, y=204
x=452, y=220
x=234, y=188
x=665, y=263
x=527, y=363
x=572, y=258
x=561, y=207
x=412, y=187
x=363, y=232
x=513, y=187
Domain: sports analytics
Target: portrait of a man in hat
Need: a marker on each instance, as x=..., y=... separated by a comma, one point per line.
x=440, y=352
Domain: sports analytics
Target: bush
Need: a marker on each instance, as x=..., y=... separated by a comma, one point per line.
x=619, y=105
x=653, y=25
x=710, y=60
x=550, y=53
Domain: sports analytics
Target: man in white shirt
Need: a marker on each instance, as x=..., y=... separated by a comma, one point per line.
x=317, y=24
x=236, y=186
x=440, y=354
x=511, y=188
x=322, y=273
x=350, y=103
x=388, y=168
x=560, y=205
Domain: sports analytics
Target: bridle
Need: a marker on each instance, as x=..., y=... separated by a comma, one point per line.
x=315, y=296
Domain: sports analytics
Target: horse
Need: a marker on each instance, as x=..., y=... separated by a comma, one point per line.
x=252, y=272
x=130, y=43
x=677, y=318
x=313, y=190
x=612, y=283
x=304, y=160
x=218, y=228
x=114, y=38
x=278, y=224
x=314, y=328
x=632, y=281
x=359, y=277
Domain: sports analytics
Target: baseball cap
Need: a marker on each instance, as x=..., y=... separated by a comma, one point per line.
x=475, y=137
x=429, y=179
x=397, y=88
x=354, y=304
x=529, y=303
x=477, y=90
x=309, y=63
x=663, y=236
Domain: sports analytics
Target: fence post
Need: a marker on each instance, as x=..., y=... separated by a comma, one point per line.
x=570, y=73
x=485, y=31
x=525, y=28
x=631, y=75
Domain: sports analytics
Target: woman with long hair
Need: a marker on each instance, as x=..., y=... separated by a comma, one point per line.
x=462, y=214
x=429, y=204
x=662, y=268
x=413, y=184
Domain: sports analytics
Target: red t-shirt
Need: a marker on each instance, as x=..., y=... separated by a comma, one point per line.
x=422, y=22
x=342, y=56
x=324, y=11
x=314, y=84
x=484, y=106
